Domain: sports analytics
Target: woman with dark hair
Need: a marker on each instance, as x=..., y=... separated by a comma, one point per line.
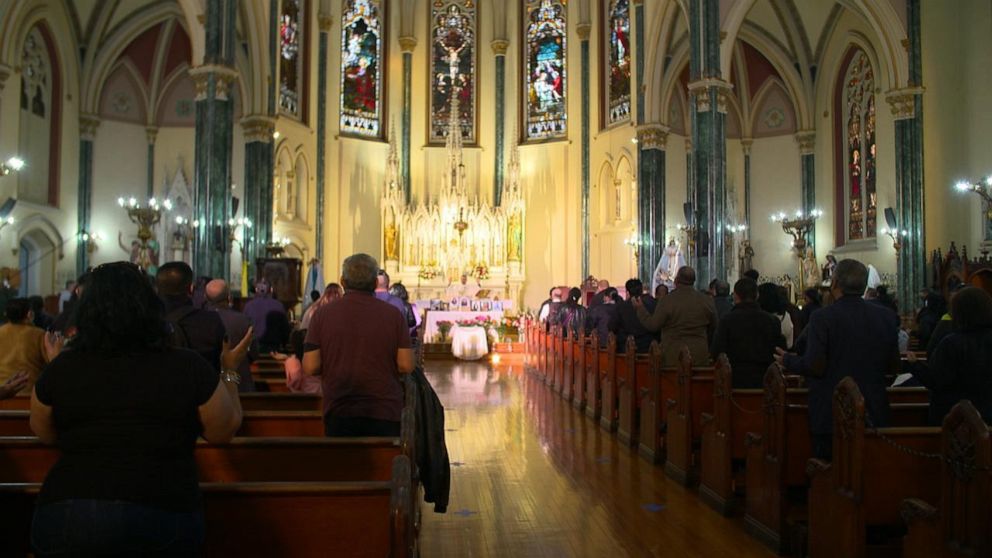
x=933, y=311
x=961, y=366
x=771, y=301
x=126, y=409
x=572, y=315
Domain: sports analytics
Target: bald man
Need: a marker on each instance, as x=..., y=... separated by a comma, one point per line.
x=236, y=324
x=684, y=317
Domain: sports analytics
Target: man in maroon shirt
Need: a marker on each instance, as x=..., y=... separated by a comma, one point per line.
x=359, y=346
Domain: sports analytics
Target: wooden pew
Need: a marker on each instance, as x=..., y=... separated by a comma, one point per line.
x=961, y=525
x=258, y=401
x=568, y=365
x=608, y=385
x=722, y=451
x=693, y=396
x=633, y=372
x=353, y=518
x=558, y=353
x=253, y=423
x=579, y=355
x=593, y=400
x=868, y=477
x=661, y=381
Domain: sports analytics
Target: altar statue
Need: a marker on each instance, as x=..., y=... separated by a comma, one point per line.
x=811, y=272
x=391, y=234
x=669, y=264
x=514, y=240
x=745, y=257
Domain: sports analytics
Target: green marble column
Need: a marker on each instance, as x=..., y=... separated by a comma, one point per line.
x=259, y=171
x=746, y=146
x=584, y=30
x=407, y=44
x=214, y=134
x=708, y=93
x=151, y=133
x=499, y=49
x=807, y=142
x=87, y=133
x=651, y=140
x=325, y=28
x=639, y=55
x=907, y=109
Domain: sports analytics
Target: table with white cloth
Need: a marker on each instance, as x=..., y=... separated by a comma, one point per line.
x=435, y=316
x=469, y=342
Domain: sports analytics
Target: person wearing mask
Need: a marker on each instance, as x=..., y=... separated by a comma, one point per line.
x=685, y=317
x=960, y=367
x=748, y=336
x=851, y=337
x=129, y=410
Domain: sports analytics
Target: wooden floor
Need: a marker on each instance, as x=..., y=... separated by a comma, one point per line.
x=531, y=476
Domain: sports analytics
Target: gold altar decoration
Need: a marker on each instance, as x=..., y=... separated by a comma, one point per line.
x=430, y=246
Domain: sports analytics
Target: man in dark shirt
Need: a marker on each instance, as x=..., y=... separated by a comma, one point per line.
x=629, y=324
x=359, y=346
x=720, y=291
x=748, y=336
x=603, y=317
x=600, y=297
x=199, y=330
x=268, y=317
x=217, y=295
x=851, y=337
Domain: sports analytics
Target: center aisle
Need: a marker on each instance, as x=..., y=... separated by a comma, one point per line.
x=533, y=477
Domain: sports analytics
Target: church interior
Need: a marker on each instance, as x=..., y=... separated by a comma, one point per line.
x=507, y=147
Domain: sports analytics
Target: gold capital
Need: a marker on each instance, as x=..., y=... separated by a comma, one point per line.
x=88, y=123
x=500, y=46
x=902, y=102
x=258, y=128
x=408, y=44
x=652, y=136
x=806, y=140
x=584, y=30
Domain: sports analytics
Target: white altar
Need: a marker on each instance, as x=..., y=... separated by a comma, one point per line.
x=431, y=246
x=436, y=316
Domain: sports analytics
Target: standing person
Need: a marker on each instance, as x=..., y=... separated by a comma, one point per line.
x=268, y=317
x=960, y=367
x=360, y=346
x=685, y=317
x=66, y=294
x=548, y=313
x=601, y=287
x=63, y=322
x=720, y=291
x=604, y=317
x=572, y=315
x=193, y=328
x=382, y=292
x=332, y=292
x=217, y=295
x=748, y=336
x=125, y=409
x=771, y=301
x=411, y=314
x=23, y=346
x=41, y=318
x=851, y=337
x=627, y=313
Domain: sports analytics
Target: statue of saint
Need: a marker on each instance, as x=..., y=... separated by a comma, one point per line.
x=391, y=242
x=669, y=264
x=745, y=256
x=514, y=238
x=811, y=272
x=828, y=269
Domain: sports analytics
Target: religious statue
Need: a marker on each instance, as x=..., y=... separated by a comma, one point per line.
x=828, y=269
x=669, y=264
x=391, y=243
x=514, y=238
x=746, y=256
x=790, y=288
x=811, y=272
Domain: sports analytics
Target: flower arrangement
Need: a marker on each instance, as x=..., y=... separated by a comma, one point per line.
x=428, y=272
x=480, y=272
x=443, y=327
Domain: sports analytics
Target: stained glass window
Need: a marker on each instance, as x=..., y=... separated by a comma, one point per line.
x=453, y=66
x=362, y=50
x=617, y=35
x=291, y=41
x=545, y=67
x=859, y=112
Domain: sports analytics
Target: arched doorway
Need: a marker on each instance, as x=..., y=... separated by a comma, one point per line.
x=37, y=259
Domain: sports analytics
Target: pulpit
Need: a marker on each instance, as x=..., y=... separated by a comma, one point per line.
x=284, y=275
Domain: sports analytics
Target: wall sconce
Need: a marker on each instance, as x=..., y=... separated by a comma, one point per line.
x=983, y=189
x=892, y=231
x=13, y=164
x=634, y=243
x=90, y=240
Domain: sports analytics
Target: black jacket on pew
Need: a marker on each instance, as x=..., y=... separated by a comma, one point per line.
x=848, y=338
x=432, y=452
x=959, y=368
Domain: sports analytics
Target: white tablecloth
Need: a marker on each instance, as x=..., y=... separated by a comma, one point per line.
x=469, y=343
x=435, y=316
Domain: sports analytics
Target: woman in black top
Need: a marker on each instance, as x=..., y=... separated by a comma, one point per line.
x=125, y=409
x=961, y=366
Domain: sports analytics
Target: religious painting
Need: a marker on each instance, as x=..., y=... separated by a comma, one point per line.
x=362, y=47
x=545, y=69
x=291, y=41
x=862, y=198
x=618, y=61
x=453, y=67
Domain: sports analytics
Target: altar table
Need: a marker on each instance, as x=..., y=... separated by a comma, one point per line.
x=435, y=316
x=469, y=343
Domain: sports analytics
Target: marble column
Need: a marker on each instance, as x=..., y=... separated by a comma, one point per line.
x=651, y=140
x=325, y=22
x=639, y=55
x=907, y=110
x=407, y=44
x=709, y=104
x=807, y=143
x=584, y=30
x=151, y=133
x=746, y=144
x=214, y=133
x=499, y=49
x=87, y=133
x=259, y=170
